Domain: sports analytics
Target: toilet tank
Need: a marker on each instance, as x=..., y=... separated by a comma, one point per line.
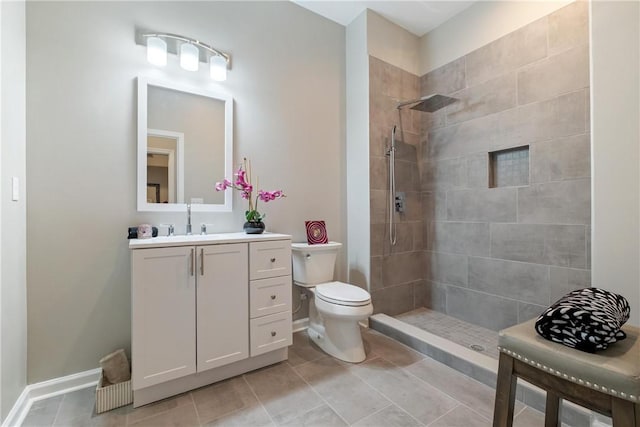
x=313, y=264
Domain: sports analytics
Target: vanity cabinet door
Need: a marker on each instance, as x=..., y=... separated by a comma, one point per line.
x=163, y=315
x=222, y=304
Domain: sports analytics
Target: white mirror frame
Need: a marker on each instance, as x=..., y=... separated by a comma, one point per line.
x=143, y=206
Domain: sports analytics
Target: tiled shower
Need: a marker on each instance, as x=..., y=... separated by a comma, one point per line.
x=497, y=185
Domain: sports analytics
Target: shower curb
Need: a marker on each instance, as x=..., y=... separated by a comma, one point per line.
x=470, y=363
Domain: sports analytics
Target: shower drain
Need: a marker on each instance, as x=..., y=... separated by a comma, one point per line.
x=476, y=347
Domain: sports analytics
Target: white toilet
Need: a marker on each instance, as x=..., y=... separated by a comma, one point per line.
x=336, y=307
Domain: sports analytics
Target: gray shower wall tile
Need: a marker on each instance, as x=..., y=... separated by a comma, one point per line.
x=435, y=296
x=565, y=280
x=378, y=205
x=393, y=300
x=565, y=72
x=466, y=238
x=444, y=80
x=403, y=268
x=378, y=173
x=529, y=311
x=562, y=245
x=430, y=121
x=405, y=239
x=563, y=202
x=561, y=159
x=419, y=242
x=539, y=121
x=407, y=176
x=450, y=269
x=569, y=27
x=444, y=174
x=477, y=135
x=478, y=170
x=413, y=207
x=434, y=205
x=488, y=311
x=404, y=151
x=492, y=96
x=376, y=273
x=490, y=205
x=517, y=280
x=521, y=47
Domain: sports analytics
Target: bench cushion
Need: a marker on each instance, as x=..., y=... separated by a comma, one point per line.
x=615, y=371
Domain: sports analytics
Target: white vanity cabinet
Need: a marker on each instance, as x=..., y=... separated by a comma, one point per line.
x=197, y=315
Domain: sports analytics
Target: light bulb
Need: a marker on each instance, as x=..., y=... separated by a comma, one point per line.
x=218, y=68
x=157, y=51
x=189, y=57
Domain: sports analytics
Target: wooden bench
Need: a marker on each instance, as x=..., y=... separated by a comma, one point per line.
x=607, y=382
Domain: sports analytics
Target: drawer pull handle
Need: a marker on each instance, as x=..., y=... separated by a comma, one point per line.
x=273, y=260
x=307, y=256
x=273, y=297
x=273, y=333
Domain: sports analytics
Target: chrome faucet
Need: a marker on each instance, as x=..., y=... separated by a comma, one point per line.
x=188, y=219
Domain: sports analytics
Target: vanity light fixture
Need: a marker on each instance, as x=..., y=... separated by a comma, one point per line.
x=157, y=51
x=189, y=57
x=191, y=52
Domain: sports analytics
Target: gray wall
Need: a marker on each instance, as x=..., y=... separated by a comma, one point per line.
x=288, y=85
x=498, y=256
x=13, y=304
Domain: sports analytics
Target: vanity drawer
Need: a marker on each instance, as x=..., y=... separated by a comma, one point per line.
x=270, y=332
x=269, y=259
x=269, y=296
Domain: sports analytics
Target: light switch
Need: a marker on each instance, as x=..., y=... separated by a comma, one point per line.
x=15, y=188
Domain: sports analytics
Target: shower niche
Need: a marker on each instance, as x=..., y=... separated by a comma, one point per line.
x=509, y=168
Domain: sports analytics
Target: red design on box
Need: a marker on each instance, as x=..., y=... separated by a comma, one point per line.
x=316, y=232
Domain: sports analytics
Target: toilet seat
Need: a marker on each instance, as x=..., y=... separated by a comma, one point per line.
x=342, y=294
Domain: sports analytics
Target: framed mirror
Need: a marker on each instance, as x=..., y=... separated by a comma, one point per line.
x=185, y=145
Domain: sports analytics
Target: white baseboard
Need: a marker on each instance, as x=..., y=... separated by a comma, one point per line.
x=300, y=324
x=50, y=388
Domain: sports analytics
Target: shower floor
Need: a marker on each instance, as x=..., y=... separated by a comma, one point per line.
x=452, y=329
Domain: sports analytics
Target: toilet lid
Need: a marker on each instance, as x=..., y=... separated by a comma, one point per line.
x=343, y=294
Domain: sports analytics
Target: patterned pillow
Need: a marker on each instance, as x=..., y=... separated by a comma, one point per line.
x=587, y=319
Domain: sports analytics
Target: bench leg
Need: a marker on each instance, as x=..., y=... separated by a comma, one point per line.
x=623, y=413
x=505, y=393
x=552, y=410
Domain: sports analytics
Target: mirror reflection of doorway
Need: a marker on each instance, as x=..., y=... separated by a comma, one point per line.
x=164, y=166
x=153, y=193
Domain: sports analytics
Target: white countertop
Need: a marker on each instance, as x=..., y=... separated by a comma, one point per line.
x=200, y=239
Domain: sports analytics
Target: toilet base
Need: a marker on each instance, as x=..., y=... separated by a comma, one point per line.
x=336, y=330
x=347, y=347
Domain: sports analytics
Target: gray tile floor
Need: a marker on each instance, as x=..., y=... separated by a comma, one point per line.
x=456, y=330
x=395, y=386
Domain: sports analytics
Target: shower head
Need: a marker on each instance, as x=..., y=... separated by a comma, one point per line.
x=429, y=103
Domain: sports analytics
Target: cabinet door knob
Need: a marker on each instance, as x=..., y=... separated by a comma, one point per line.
x=273, y=297
x=273, y=260
x=273, y=333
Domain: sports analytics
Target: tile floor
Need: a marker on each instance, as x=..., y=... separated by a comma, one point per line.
x=456, y=330
x=395, y=386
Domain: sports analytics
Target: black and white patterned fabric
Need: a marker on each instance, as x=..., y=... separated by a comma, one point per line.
x=587, y=319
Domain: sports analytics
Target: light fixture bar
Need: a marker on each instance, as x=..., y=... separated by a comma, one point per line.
x=142, y=36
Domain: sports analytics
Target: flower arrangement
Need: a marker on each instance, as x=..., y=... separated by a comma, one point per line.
x=243, y=184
